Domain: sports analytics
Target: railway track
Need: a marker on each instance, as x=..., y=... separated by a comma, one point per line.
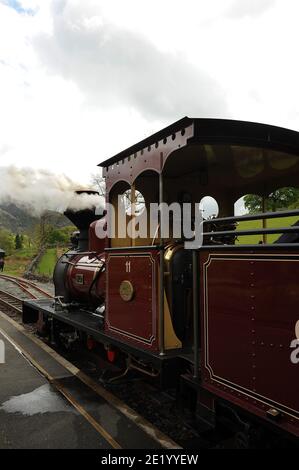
x=11, y=302
x=32, y=290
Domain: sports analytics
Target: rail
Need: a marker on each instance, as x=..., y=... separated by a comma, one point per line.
x=261, y=216
x=261, y=231
x=11, y=301
x=25, y=286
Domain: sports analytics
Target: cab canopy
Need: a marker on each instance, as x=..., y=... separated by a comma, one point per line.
x=224, y=159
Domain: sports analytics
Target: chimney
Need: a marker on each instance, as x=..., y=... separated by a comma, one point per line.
x=82, y=220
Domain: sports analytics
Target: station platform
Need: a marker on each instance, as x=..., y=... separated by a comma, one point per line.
x=47, y=403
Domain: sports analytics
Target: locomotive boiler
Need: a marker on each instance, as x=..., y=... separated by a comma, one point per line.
x=218, y=320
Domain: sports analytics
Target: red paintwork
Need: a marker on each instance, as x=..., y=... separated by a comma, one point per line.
x=97, y=245
x=86, y=266
x=152, y=158
x=249, y=311
x=135, y=322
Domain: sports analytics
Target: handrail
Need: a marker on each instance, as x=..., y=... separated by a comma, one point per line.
x=253, y=231
x=264, y=215
x=255, y=246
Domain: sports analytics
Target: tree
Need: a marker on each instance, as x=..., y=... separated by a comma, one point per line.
x=133, y=199
x=6, y=241
x=99, y=183
x=42, y=232
x=18, y=242
x=59, y=236
x=47, y=235
x=277, y=200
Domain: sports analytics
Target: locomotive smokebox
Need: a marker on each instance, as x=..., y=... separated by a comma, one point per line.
x=82, y=218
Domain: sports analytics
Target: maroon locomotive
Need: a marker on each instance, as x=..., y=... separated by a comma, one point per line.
x=219, y=320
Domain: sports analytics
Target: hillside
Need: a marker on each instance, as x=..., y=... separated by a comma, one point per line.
x=15, y=219
x=19, y=220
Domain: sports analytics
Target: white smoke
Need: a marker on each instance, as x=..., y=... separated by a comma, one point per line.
x=40, y=190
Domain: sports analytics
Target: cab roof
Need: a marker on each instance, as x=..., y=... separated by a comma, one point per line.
x=220, y=131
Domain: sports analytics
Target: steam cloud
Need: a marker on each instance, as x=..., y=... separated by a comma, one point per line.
x=41, y=190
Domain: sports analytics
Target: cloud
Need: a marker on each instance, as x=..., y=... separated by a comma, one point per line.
x=82, y=80
x=16, y=5
x=4, y=148
x=251, y=8
x=115, y=67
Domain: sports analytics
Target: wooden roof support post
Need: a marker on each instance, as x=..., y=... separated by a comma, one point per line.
x=196, y=325
x=161, y=275
x=133, y=213
x=264, y=209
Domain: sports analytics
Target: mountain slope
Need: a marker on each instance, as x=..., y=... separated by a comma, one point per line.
x=19, y=220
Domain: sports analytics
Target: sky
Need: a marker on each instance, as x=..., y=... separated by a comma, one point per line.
x=83, y=80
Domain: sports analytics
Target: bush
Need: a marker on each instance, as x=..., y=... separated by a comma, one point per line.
x=6, y=241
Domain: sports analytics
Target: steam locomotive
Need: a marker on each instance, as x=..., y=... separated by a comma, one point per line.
x=218, y=321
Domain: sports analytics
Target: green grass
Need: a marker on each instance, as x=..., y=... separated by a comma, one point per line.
x=15, y=264
x=25, y=253
x=271, y=223
x=47, y=263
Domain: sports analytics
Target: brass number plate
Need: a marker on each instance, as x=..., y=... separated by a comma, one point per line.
x=80, y=279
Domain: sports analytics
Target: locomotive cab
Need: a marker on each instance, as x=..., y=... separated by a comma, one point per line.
x=207, y=304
